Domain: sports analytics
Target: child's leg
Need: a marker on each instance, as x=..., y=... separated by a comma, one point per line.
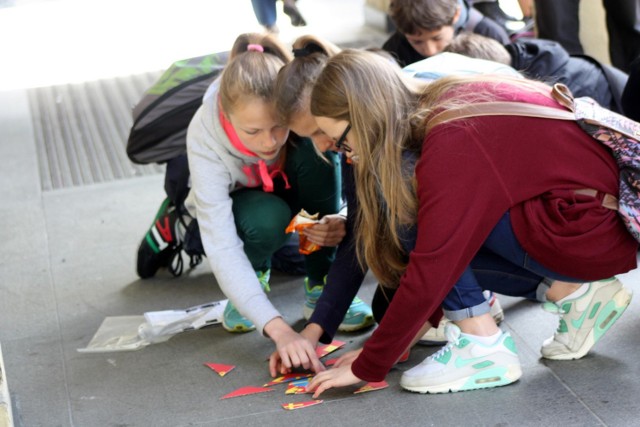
x=265, y=11
x=316, y=188
x=261, y=219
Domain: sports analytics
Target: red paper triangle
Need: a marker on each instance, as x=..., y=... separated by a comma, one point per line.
x=244, y=391
x=221, y=369
x=298, y=405
x=372, y=386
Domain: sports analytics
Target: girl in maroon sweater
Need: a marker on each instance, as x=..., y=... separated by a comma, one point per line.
x=510, y=204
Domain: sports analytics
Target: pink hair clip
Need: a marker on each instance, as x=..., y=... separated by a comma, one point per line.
x=255, y=47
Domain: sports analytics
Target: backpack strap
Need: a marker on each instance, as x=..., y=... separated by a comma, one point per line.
x=499, y=108
x=560, y=93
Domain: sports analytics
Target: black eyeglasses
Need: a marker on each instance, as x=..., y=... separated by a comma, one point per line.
x=340, y=144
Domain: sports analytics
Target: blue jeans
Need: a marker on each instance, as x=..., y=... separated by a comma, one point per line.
x=501, y=266
x=265, y=11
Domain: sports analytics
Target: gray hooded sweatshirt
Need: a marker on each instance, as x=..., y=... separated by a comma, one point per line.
x=217, y=169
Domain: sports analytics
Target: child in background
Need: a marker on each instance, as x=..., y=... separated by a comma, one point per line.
x=425, y=27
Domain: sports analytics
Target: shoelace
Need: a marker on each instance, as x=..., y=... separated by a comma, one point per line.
x=553, y=308
x=452, y=340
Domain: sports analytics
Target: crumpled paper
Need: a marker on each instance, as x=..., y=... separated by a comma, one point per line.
x=127, y=333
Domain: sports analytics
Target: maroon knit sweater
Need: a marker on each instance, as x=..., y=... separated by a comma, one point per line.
x=469, y=174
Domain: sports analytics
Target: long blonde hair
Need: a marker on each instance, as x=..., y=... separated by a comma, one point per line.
x=378, y=110
x=388, y=114
x=252, y=72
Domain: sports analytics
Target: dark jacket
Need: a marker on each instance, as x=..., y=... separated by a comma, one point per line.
x=631, y=95
x=548, y=61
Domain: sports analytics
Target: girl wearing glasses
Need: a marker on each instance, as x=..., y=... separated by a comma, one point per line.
x=499, y=205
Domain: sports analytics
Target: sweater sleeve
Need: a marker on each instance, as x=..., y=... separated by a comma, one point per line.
x=460, y=199
x=211, y=184
x=345, y=276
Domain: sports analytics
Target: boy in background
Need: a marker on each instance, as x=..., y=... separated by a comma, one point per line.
x=426, y=27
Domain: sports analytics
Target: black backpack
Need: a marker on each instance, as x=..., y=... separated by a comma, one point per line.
x=161, y=118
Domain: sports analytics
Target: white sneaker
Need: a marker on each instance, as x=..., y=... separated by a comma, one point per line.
x=465, y=364
x=436, y=336
x=585, y=319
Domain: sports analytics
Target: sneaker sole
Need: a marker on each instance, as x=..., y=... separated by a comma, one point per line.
x=366, y=322
x=606, y=318
x=238, y=329
x=489, y=378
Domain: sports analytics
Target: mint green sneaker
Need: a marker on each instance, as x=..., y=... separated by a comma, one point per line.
x=585, y=319
x=465, y=364
x=232, y=320
x=359, y=314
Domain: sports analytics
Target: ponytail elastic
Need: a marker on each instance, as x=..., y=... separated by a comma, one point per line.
x=307, y=50
x=255, y=47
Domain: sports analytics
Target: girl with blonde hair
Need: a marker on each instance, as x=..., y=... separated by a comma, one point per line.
x=504, y=203
x=248, y=179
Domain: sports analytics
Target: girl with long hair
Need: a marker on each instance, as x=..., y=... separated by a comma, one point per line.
x=517, y=205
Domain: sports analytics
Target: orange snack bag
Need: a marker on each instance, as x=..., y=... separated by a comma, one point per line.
x=299, y=223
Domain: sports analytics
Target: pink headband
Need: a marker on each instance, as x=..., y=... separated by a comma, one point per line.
x=255, y=47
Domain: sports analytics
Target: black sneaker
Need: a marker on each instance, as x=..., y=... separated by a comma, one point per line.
x=161, y=246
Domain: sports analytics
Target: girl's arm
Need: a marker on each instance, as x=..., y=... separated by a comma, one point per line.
x=211, y=185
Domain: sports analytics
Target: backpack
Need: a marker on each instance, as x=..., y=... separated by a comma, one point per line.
x=619, y=133
x=161, y=118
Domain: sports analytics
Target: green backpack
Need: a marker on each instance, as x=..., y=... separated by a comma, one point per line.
x=161, y=118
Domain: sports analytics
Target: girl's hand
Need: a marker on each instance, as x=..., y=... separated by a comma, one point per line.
x=295, y=350
x=328, y=232
x=347, y=358
x=335, y=377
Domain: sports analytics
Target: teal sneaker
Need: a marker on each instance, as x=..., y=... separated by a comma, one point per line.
x=585, y=319
x=465, y=364
x=359, y=314
x=232, y=320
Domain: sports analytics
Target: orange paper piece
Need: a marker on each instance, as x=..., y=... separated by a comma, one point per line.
x=330, y=362
x=298, y=405
x=297, y=387
x=245, y=391
x=404, y=357
x=323, y=350
x=372, y=386
x=221, y=369
x=287, y=378
x=299, y=223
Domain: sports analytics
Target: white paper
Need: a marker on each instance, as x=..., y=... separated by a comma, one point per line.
x=128, y=333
